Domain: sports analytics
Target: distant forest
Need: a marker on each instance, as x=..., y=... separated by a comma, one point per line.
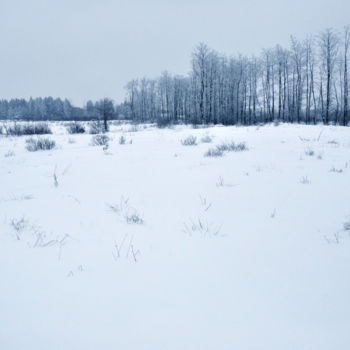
x=49, y=108
x=304, y=83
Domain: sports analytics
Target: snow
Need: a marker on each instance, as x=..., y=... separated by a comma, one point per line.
x=234, y=252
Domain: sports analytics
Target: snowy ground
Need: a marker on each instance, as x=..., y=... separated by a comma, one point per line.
x=244, y=251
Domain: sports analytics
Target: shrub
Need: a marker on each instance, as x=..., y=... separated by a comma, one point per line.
x=200, y=126
x=335, y=170
x=219, y=150
x=75, y=128
x=28, y=129
x=100, y=140
x=206, y=139
x=189, y=141
x=9, y=153
x=39, y=144
x=232, y=147
x=346, y=226
x=133, y=128
x=214, y=152
x=163, y=122
x=39, y=129
x=309, y=152
x=122, y=140
x=239, y=147
x=96, y=127
x=223, y=147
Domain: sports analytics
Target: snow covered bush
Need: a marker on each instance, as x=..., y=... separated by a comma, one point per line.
x=163, y=122
x=75, y=128
x=189, y=141
x=122, y=140
x=214, y=152
x=232, y=147
x=206, y=139
x=99, y=140
x=309, y=152
x=133, y=128
x=39, y=144
x=219, y=150
x=96, y=127
x=9, y=153
x=347, y=226
x=28, y=129
x=335, y=170
x=238, y=147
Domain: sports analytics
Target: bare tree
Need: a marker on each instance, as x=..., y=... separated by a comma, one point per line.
x=346, y=78
x=295, y=84
x=329, y=41
x=106, y=111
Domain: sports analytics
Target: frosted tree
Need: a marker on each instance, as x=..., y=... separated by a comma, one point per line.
x=328, y=42
x=105, y=109
x=346, y=77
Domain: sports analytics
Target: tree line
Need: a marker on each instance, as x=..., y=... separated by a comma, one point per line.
x=306, y=82
x=49, y=108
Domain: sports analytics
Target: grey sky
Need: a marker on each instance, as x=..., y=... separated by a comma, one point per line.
x=88, y=49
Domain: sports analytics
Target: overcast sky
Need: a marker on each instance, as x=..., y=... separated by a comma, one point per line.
x=88, y=49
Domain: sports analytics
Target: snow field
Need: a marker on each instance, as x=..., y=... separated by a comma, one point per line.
x=152, y=245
